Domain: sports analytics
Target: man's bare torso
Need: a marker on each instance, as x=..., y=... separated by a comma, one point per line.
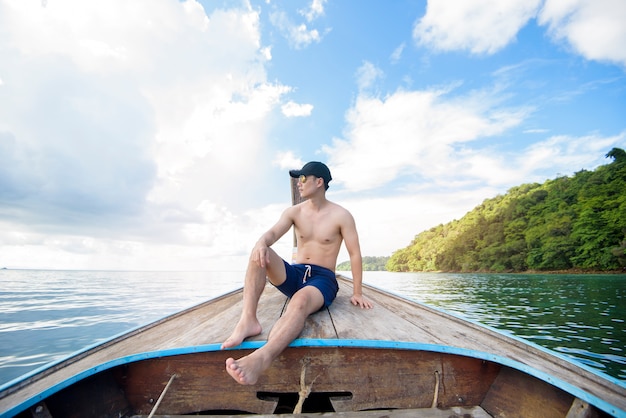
x=318, y=233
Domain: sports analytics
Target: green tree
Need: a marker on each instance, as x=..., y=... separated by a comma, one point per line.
x=369, y=264
x=567, y=222
x=618, y=154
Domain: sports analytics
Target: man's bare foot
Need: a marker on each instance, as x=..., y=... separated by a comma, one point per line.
x=246, y=370
x=243, y=330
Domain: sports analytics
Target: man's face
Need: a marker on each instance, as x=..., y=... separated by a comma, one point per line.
x=306, y=185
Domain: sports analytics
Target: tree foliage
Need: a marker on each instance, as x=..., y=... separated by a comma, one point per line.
x=576, y=222
x=369, y=264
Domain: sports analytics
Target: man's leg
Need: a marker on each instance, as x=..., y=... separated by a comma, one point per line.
x=254, y=284
x=247, y=370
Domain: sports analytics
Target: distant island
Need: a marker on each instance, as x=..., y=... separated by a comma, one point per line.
x=369, y=264
x=569, y=224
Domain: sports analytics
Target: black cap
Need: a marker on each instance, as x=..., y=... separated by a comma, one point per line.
x=314, y=168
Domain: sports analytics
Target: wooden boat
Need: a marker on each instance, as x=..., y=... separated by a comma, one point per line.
x=399, y=359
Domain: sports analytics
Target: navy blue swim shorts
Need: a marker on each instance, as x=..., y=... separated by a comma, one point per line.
x=301, y=275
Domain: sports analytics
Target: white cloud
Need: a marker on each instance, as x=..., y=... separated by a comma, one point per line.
x=287, y=161
x=594, y=28
x=479, y=26
x=535, y=163
x=566, y=154
x=220, y=240
x=536, y=131
x=426, y=139
x=412, y=133
x=267, y=53
x=367, y=74
x=315, y=10
x=119, y=123
x=397, y=53
x=215, y=139
x=113, y=36
x=292, y=109
x=298, y=36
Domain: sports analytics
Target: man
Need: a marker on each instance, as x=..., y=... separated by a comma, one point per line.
x=320, y=226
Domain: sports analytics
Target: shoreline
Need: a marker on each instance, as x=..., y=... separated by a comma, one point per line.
x=553, y=272
x=573, y=271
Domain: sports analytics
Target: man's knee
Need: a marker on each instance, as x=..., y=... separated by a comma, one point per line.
x=308, y=299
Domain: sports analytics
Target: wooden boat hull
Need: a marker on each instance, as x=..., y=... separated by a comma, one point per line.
x=340, y=375
x=444, y=372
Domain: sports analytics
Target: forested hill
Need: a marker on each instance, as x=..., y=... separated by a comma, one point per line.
x=576, y=222
x=369, y=264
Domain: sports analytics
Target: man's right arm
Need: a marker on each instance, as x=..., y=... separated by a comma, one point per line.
x=259, y=253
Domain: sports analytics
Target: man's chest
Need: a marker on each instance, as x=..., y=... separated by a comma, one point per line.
x=323, y=233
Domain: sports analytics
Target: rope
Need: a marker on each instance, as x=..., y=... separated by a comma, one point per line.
x=158, y=402
x=436, y=397
x=305, y=390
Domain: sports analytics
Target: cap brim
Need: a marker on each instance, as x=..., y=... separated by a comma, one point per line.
x=295, y=173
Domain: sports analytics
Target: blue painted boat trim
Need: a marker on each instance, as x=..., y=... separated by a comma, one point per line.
x=339, y=343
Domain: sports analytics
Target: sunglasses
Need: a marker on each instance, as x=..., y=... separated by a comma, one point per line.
x=302, y=179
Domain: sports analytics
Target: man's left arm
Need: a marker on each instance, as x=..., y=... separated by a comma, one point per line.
x=351, y=239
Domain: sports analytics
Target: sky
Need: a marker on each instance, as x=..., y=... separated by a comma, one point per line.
x=158, y=134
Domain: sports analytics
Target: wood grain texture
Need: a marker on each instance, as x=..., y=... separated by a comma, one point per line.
x=374, y=378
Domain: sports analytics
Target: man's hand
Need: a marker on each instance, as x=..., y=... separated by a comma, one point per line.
x=359, y=300
x=260, y=255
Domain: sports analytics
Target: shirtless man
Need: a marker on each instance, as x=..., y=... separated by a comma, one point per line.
x=321, y=226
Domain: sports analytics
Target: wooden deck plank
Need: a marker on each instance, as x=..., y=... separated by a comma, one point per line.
x=379, y=323
x=319, y=325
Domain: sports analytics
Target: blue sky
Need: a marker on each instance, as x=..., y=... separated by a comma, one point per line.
x=158, y=134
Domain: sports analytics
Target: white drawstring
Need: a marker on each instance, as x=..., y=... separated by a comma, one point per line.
x=306, y=273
